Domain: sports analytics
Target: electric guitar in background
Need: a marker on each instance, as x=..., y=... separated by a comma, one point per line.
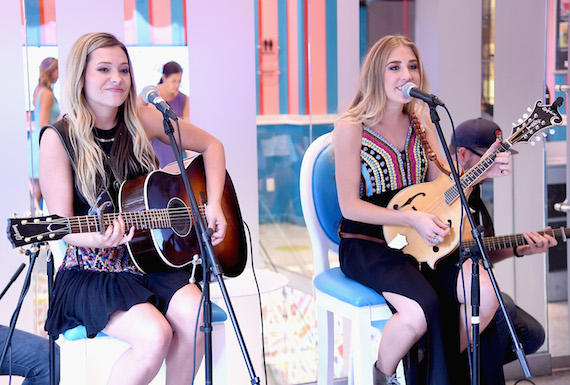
x=509, y=241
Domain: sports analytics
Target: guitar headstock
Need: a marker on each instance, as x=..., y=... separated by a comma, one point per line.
x=541, y=118
x=24, y=231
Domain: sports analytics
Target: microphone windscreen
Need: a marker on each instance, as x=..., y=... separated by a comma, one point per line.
x=407, y=88
x=145, y=93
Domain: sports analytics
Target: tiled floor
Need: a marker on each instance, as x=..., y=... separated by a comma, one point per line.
x=286, y=248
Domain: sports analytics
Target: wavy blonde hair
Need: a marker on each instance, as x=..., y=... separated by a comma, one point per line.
x=369, y=103
x=132, y=152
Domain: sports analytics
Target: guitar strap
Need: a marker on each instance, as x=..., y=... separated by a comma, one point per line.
x=421, y=132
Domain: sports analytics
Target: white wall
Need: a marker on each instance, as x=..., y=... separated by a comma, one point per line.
x=222, y=95
x=77, y=17
x=448, y=34
x=520, y=200
x=222, y=90
x=348, y=51
x=13, y=158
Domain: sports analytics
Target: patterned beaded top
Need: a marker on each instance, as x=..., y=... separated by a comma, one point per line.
x=384, y=168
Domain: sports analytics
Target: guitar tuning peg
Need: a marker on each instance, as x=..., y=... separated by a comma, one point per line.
x=14, y=215
x=513, y=124
x=520, y=120
x=552, y=131
x=525, y=116
x=22, y=251
x=532, y=143
x=537, y=138
x=544, y=134
x=27, y=214
x=529, y=109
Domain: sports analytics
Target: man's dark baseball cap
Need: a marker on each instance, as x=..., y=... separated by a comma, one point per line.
x=477, y=134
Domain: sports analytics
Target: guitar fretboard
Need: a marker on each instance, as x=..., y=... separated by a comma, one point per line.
x=508, y=241
x=469, y=178
x=140, y=220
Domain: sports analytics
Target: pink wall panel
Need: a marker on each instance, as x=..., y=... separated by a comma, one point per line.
x=317, y=18
x=159, y=17
x=293, y=57
x=269, y=57
x=47, y=19
x=130, y=22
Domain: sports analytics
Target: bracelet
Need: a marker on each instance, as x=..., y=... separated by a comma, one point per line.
x=515, y=252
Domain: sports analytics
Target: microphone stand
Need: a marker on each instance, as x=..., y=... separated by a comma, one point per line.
x=50, y=274
x=210, y=266
x=477, y=253
x=33, y=253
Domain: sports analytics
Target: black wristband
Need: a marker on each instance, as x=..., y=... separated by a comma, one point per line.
x=515, y=252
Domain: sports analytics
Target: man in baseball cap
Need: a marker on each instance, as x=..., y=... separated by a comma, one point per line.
x=477, y=135
x=470, y=141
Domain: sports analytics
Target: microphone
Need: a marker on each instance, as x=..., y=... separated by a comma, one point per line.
x=410, y=90
x=150, y=95
x=13, y=279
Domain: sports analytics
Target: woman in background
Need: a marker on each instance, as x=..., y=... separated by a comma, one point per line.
x=46, y=109
x=169, y=89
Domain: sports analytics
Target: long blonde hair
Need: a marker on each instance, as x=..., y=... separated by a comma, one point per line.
x=135, y=155
x=368, y=104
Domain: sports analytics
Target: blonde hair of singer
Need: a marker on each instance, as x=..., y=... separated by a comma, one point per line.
x=81, y=119
x=368, y=104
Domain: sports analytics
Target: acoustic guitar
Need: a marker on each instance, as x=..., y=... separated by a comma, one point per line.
x=156, y=204
x=441, y=196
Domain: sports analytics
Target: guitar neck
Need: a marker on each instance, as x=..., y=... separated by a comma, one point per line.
x=140, y=220
x=474, y=173
x=510, y=241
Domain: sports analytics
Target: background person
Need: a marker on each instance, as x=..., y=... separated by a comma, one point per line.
x=169, y=90
x=471, y=140
x=46, y=111
x=28, y=357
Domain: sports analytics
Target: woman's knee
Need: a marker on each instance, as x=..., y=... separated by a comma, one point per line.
x=412, y=317
x=154, y=338
x=489, y=301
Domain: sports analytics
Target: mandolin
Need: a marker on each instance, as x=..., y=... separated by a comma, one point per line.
x=441, y=197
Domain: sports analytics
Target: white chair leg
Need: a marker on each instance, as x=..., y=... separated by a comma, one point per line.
x=362, y=348
x=346, y=343
x=325, y=326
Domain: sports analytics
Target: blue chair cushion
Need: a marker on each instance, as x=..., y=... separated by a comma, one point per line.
x=325, y=194
x=334, y=283
x=78, y=332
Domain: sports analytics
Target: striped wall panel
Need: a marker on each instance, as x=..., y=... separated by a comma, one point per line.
x=147, y=22
x=296, y=44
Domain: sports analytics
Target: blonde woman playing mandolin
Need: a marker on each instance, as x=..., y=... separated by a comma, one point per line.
x=378, y=150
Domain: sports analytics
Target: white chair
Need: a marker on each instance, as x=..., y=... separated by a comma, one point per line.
x=335, y=293
x=88, y=361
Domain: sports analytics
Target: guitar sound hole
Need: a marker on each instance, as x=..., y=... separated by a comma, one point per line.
x=180, y=217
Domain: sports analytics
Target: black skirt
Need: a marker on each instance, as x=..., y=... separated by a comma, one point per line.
x=82, y=297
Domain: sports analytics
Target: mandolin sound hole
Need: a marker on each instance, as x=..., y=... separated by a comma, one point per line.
x=180, y=217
